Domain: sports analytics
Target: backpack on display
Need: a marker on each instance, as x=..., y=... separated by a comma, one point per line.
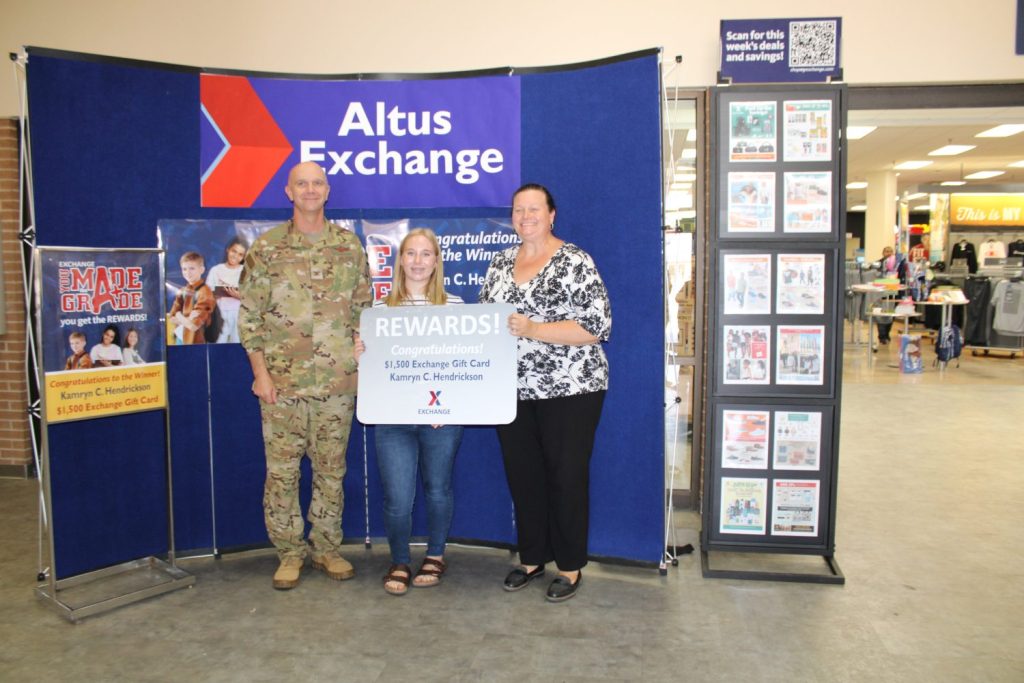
x=949, y=344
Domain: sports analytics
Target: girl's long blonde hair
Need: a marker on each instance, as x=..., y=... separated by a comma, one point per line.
x=434, y=291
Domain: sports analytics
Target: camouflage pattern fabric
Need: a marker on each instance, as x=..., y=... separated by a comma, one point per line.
x=320, y=428
x=300, y=306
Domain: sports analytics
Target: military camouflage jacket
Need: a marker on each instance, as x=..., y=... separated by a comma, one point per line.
x=300, y=306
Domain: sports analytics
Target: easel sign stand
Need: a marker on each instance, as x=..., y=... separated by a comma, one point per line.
x=109, y=301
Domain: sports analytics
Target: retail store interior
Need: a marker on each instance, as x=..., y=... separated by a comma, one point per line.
x=927, y=537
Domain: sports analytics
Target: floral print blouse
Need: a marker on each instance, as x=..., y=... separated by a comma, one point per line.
x=568, y=287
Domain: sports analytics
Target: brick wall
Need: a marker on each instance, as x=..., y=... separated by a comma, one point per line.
x=15, y=444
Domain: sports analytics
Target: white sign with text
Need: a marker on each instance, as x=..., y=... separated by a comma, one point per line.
x=437, y=365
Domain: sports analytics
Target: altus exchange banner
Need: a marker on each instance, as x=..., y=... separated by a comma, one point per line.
x=383, y=144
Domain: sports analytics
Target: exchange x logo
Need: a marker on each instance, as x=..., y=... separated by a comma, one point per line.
x=435, y=398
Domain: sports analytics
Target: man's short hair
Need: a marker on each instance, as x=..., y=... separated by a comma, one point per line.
x=76, y=335
x=193, y=256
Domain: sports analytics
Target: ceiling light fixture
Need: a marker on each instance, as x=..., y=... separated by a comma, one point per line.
x=1016, y=164
x=857, y=185
x=1003, y=131
x=858, y=207
x=857, y=132
x=917, y=195
x=911, y=165
x=983, y=175
x=953, y=183
x=950, y=150
x=922, y=207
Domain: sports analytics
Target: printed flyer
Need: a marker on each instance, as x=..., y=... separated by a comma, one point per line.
x=751, y=206
x=745, y=439
x=797, y=440
x=800, y=354
x=801, y=284
x=795, y=507
x=101, y=329
x=752, y=131
x=748, y=354
x=748, y=280
x=807, y=130
x=808, y=202
x=743, y=506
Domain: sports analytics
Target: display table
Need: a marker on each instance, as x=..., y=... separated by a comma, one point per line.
x=872, y=293
x=891, y=316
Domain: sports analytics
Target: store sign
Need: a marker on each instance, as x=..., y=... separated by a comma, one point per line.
x=780, y=50
x=987, y=209
x=383, y=144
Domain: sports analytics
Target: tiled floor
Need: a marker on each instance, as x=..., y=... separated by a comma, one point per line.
x=928, y=537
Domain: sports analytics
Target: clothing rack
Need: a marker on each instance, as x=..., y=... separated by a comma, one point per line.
x=980, y=336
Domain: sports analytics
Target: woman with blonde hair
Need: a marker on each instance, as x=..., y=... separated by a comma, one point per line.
x=404, y=449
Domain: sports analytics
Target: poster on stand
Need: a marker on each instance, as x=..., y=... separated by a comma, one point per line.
x=797, y=440
x=808, y=202
x=101, y=331
x=752, y=131
x=748, y=280
x=795, y=507
x=751, y=206
x=745, y=439
x=799, y=355
x=743, y=506
x=748, y=354
x=801, y=284
x=807, y=130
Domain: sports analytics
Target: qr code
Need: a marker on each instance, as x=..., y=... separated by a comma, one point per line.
x=812, y=43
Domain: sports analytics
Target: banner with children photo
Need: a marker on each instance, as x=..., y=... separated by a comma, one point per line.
x=100, y=331
x=205, y=259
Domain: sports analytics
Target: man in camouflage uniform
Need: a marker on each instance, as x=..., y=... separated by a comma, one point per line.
x=304, y=286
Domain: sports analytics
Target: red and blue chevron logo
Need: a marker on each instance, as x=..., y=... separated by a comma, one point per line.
x=242, y=146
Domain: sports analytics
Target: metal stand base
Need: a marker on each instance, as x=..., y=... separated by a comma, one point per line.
x=834, y=577
x=105, y=589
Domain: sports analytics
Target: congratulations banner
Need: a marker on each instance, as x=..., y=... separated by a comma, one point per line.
x=383, y=144
x=101, y=326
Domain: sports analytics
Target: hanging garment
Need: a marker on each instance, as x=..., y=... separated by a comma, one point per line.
x=979, y=291
x=1008, y=302
x=992, y=249
x=1015, y=248
x=965, y=250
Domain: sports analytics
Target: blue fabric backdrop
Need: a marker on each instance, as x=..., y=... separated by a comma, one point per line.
x=114, y=149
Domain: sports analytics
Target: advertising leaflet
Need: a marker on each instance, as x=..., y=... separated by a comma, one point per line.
x=795, y=507
x=102, y=331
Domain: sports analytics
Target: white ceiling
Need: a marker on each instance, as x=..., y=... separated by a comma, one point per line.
x=909, y=134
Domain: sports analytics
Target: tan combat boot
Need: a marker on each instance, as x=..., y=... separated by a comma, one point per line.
x=334, y=565
x=287, y=574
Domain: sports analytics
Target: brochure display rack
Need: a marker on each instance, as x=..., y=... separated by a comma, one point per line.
x=775, y=312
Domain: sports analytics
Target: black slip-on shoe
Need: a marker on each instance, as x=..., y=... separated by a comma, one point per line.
x=562, y=588
x=519, y=578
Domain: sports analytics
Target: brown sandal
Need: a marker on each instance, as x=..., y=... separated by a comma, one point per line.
x=394, y=576
x=432, y=568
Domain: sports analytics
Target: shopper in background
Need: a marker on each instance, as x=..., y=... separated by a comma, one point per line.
x=563, y=316
x=895, y=266
x=402, y=449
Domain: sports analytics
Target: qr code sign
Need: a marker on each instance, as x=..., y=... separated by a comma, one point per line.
x=812, y=43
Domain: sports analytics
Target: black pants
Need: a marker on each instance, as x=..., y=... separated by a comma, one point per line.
x=547, y=452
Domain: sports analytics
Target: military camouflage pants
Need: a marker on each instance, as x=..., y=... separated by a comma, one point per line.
x=319, y=428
